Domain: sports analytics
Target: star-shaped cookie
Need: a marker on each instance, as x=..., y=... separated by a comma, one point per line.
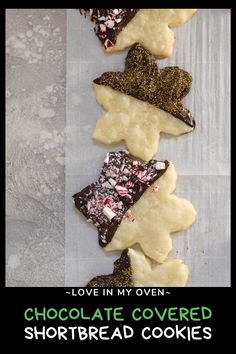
x=118, y=29
x=133, y=269
x=131, y=203
x=142, y=102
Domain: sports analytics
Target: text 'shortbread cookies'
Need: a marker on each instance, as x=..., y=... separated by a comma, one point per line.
x=133, y=269
x=118, y=29
x=131, y=202
x=142, y=102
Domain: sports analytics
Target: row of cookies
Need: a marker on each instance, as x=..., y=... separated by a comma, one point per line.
x=132, y=202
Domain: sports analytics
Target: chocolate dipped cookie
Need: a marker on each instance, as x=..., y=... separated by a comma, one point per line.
x=131, y=202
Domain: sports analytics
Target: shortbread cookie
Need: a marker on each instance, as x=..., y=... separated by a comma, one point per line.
x=141, y=102
x=133, y=269
x=118, y=29
x=128, y=205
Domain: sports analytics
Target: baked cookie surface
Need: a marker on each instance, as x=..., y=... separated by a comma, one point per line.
x=133, y=269
x=118, y=29
x=142, y=102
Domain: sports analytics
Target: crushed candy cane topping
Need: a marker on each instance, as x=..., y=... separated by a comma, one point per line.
x=121, y=183
x=160, y=165
x=109, y=22
x=109, y=213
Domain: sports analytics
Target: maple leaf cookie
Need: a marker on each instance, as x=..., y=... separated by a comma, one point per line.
x=118, y=29
x=131, y=202
x=142, y=102
x=133, y=269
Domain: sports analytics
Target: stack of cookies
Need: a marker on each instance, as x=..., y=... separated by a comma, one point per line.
x=131, y=203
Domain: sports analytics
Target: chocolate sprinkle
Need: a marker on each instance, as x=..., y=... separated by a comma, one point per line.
x=121, y=183
x=109, y=23
x=142, y=79
x=121, y=276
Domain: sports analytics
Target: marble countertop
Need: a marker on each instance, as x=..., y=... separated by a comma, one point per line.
x=36, y=81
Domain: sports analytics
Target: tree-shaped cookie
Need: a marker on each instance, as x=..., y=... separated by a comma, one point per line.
x=141, y=102
x=131, y=202
x=118, y=29
x=134, y=269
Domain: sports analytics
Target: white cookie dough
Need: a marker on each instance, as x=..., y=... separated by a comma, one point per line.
x=151, y=28
x=136, y=122
x=171, y=273
x=156, y=215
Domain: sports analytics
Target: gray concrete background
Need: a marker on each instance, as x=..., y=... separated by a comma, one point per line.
x=36, y=72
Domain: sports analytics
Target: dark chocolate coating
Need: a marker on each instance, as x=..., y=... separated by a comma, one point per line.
x=121, y=276
x=126, y=173
x=142, y=79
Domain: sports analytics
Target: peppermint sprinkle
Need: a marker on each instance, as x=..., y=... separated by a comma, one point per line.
x=142, y=176
x=103, y=28
x=130, y=183
x=107, y=158
x=112, y=182
x=108, y=213
x=107, y=185
x=108, y=43
x=103, y=239
x=121, y=190
x=155, y=187
x=160, y=165
x=136, y=163
x=109, y=24
x=129, y=216
x=103, y=35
